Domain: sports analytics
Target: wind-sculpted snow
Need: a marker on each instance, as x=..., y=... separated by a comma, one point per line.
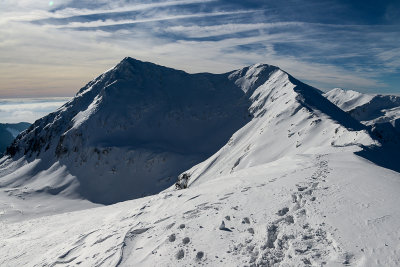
x=306, y=210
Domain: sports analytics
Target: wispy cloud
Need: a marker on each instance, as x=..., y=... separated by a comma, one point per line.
x=113, y=7
x=54, y=50
x=111, y=22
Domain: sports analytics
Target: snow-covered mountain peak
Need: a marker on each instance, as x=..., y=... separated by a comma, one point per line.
x=379, y=112
x=270, y=165
x=251, y=77
x=347, y=99
x=131, y=131
x=289, y=118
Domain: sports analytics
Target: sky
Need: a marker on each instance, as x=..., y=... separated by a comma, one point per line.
x=53, y=48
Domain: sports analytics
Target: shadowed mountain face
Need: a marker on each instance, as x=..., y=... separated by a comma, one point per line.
x=131, y=131
x=8, y=131
x=142, y=104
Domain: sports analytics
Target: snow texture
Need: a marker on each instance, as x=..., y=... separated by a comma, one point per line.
x=247, y=168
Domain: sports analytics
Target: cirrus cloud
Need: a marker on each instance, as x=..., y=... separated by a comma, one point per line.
x=54, y=50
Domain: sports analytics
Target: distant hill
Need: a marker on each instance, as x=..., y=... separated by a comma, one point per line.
x=8, y=131
x=380, y=112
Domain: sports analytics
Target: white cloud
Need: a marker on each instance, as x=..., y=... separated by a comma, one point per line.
x=28, y=110
x=111, y=22
x=196, y=31
x=390, y=58
x=28, y=11
x=56, y=60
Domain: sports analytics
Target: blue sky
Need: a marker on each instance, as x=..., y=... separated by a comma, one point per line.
x=52, y=48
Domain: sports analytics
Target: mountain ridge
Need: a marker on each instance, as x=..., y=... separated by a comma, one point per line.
x=143, y=114
x=132, y=130
x=273, y=173
x=380, y=113
x=290, y=117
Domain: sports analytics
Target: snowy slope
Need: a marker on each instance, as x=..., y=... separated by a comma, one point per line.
x=289, y=118
x=273, y=176
x=382, y=112
x=128, y=133
x=132, y=130
x=347, y=99
x=305, y=210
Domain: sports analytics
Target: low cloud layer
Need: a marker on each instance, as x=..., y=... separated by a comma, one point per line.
x=28, y=109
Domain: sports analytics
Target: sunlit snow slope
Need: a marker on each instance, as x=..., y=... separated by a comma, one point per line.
x=331, y=209
x=131, y=131
x=381, y=112
x=271, y=166
x=289, y=118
